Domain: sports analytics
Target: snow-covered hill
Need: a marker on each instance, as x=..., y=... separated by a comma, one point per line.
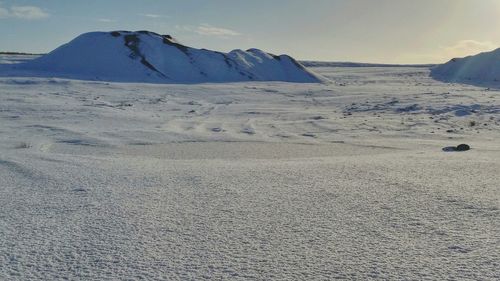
x=481, y=68
x=149, y=57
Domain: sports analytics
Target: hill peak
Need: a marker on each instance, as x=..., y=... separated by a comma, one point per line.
x=145, y=56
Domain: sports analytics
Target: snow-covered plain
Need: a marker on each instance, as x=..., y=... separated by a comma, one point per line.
x=265, y=181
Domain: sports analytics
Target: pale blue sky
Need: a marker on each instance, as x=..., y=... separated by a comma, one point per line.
x=391, y=31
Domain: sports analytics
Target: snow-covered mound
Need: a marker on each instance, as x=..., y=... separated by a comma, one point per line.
x=145, y=56
x=481, y=68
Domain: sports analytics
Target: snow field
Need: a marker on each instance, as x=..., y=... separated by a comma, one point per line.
x=265, y=181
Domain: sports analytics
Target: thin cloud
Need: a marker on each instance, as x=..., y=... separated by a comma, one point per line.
x=468, y=47
x=26, y=13
x=460, y=49
x=105, y=20
x=153, y=16
x=206, y=29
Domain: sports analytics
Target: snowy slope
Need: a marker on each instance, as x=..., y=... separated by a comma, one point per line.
x=250, y=181
x=149, y=57
x=484, y=67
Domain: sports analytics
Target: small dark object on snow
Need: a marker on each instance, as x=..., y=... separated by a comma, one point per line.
x=461, y=147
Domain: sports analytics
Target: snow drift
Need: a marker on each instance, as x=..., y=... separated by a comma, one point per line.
x=145, y=56
x=478, y=69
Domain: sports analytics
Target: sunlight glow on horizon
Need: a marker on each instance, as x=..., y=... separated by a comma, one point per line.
x=381, y=31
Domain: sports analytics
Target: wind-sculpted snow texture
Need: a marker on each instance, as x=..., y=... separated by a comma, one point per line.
x=482, y=69
x=250, y=181
x=149, y=57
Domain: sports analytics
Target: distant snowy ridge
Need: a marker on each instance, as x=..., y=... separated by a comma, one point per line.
x=358, y=64
x=145, y=56
x=481, y=68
